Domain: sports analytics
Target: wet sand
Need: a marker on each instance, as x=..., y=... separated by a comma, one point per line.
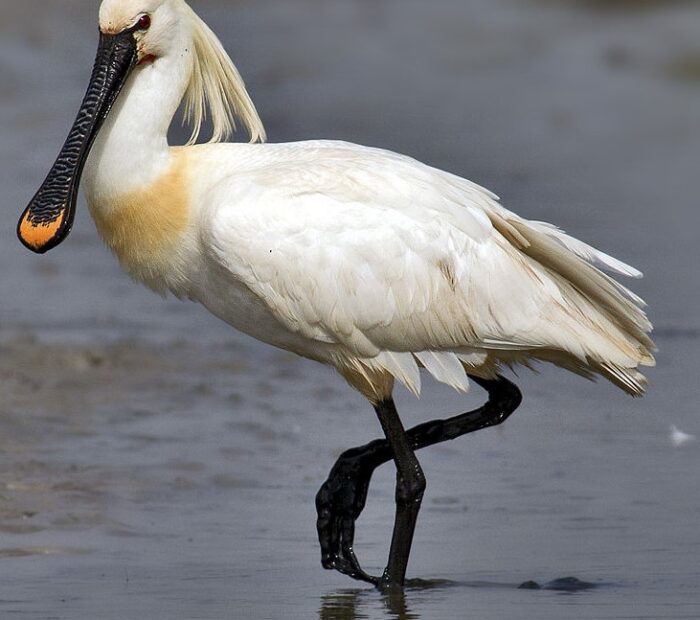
x=156, y=464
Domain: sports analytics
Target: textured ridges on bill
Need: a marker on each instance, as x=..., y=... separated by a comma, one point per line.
x=49, y=217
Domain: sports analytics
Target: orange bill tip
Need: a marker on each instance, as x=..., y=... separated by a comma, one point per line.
x=38, y=236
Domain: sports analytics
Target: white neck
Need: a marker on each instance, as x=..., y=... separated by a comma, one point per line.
x=131, y=150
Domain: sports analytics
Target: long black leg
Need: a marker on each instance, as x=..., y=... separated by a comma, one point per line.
x=342, y=497
x=410, y=486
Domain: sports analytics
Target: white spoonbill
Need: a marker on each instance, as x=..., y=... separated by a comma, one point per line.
x=359, y=258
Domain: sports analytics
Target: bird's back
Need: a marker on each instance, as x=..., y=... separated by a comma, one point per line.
x=376, y=261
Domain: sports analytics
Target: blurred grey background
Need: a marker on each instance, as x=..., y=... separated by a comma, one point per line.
x=154, y=462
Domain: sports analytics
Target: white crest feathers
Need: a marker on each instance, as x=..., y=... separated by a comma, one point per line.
x=217, y=86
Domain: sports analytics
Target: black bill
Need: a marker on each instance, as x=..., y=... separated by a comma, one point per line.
x=48, y=219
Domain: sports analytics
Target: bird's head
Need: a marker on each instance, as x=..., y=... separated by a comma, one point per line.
x=134, y=36
x=155, y=27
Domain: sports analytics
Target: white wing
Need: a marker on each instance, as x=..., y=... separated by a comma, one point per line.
x=395, y=262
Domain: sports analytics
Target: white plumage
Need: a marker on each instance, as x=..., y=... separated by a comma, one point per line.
x=373, y=260
x=356, y=257
x=359, y=258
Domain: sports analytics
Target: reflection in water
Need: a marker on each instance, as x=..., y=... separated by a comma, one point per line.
x=354, y=605
x=344, y=605
x=358, y=604
x=397, y=607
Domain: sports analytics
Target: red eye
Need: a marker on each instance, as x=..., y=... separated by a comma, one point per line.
x=144, y=22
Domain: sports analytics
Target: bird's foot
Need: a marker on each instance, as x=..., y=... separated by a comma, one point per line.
x=347, y=564
x=339, y=503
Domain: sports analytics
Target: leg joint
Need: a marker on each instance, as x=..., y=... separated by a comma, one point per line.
x=508, y=397
x=410, y=490
x=503, y=394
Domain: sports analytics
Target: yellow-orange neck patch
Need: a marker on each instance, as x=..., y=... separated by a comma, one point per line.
x=143, y=227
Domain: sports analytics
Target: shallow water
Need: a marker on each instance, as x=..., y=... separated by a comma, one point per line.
x=156, y=464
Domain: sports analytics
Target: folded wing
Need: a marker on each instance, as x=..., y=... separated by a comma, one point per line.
x=394, y=264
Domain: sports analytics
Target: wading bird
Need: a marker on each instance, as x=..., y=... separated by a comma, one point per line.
x=359, y=258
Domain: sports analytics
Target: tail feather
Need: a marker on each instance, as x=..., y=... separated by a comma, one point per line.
x=587, y=252
x=616, y=303
x=618, y=313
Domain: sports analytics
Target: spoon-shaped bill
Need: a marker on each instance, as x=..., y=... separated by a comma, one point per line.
x=48, y=219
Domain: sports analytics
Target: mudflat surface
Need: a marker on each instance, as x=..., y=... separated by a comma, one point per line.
x=156, y=464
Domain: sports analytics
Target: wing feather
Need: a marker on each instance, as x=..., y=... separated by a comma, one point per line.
x=386, y=258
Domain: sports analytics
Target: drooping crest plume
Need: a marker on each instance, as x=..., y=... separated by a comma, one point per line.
x=216, y=87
